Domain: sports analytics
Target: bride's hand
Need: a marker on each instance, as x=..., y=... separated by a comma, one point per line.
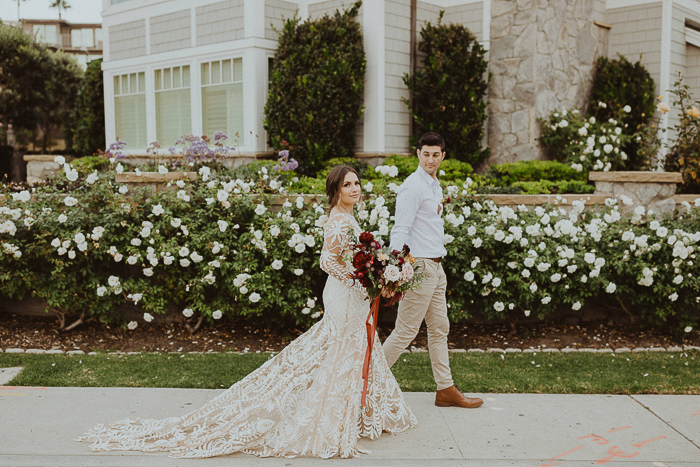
x=386, y=293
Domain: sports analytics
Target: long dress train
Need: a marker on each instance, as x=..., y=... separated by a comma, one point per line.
x=303, y=402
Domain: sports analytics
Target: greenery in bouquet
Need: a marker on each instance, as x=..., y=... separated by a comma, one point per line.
x=382, y=272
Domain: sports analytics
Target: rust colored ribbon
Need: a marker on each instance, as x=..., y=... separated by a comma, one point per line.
x=371, y=324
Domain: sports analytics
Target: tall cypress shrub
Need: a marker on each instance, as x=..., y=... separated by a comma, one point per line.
x=316, y=85
x=448, y=93
x=618, y=83
x=90, y=119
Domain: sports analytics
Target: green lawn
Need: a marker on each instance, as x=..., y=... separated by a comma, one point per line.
x=584, y=373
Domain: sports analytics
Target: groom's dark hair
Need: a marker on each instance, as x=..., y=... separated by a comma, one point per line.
x=431, y=139
x=334, y=181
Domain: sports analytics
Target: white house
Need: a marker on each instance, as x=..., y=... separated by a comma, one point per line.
x=173, y=67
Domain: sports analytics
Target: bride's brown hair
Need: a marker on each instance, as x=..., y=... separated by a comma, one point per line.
x=334, y=181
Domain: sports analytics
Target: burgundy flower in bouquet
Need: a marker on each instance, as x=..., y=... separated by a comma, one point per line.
x=388, y=274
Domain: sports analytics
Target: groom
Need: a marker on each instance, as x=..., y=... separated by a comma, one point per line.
x=419, y=224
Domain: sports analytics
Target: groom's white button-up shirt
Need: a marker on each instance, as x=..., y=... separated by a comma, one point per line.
x=418, y=221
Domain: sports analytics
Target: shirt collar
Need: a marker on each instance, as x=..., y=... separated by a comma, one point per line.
x=425, y=176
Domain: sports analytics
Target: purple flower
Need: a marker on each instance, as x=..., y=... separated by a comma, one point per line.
x=220, y=135
x=284, y=154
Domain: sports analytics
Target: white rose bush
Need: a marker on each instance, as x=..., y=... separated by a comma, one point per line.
x=208, y=256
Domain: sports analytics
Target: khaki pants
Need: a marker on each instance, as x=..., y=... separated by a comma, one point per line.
x=426, y=302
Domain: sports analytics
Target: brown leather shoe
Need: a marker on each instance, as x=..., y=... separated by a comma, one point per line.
x=453, y=397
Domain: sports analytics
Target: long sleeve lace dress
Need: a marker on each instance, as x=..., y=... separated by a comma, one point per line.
x=303, y=402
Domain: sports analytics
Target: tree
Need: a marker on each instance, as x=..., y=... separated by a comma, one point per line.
x=448, y=93
x=60, y=4
x=314, y=102
x=90, y=116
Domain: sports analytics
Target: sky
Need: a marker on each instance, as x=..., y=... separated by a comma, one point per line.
x=80, y=11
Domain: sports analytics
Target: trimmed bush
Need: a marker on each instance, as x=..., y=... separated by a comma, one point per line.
x=618, y=83
x=545, y=187
x=89, y=136
x=448, y=93
x=315, y=97
x=532, y=171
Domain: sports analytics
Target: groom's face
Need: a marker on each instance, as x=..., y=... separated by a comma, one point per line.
x=429, y=158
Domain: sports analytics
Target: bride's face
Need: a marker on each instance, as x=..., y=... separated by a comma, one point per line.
x=350, y=190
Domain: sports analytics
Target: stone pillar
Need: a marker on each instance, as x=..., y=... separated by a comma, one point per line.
x=541, y=59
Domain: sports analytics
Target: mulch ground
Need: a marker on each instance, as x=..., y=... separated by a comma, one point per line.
x=23, y=332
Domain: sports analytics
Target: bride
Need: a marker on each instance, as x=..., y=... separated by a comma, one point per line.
x=306, y=400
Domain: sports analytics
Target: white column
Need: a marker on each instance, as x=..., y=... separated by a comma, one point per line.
x=254, y=96
x=254, y=18
x=373, y=31
x=110, y=119
x=196, y=96
x=303, y=10
x=150, y=107
x=665, y=78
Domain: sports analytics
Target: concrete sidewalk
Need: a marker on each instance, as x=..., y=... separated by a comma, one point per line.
x=37, y=426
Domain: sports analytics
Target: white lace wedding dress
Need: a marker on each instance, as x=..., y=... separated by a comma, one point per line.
x=303, y=402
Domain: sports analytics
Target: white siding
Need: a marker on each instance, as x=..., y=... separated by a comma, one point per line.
x=636, y=31
x=276, y=11
x=127, y=40
x=684, y=57
x=470, y=16
x=171, y=32
x=692, y=70
x=329, y=7
x=398, y=59
x=220, y=22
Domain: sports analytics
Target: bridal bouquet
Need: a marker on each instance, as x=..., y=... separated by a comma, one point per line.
x=382, y=273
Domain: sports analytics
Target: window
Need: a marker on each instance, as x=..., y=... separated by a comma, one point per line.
x=45, y=33
x=173, y=110
x=130, y=109
x=82, y=38
x=222, y=99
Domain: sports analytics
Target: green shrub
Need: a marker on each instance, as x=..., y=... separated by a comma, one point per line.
x=360, y=166
x=498, y=190
x=308, y=185
x=89, y=136
x=316, y=87
x=90, y=163
x=618, y=83
x=448, y=93
x=558, y=187
x=455, y=170
x=532, y=171
x=684, y=156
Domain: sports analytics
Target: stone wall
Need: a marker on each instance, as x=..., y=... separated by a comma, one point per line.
x=541, y=59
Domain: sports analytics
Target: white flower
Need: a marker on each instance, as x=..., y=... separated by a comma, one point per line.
x=546, y=300
x=187, y=312
x=469, y=276
x=529, y=262
x=147, y=317
x=184, y=262
x=525, y=273
x=527, y=312
x=392, y=273
x=56, y=243
x=627, y=109
x=260, y=209
x=306, y=311
x=222, y=195
x=555, y=277
x=274, y=231
x=222, y=225
x=113, y=281
x=533, y=287
x=196, y=257
x=611, y=288
x=368, y=186
x=542, y=267
x=217, y=314
x=576, y=306
x=498, y=306
x=673, y=297
x=101, y=291
x=184, y=251
x=244, y=290
x=62, y=218
x=254, y=297
x=277, y=265
x=158, y=209
x=678, y=279
x=132, y=325
x=688, y=328
x=582, y=131
x=148, y=272
x=136, y=297
x=162, y=169
x=447, y=239
x=123, y=189
x=563, y=124
x=310, y=302
x=136, y=241
x=119, y=168
x=309, y=241
x=300, y=248
x=608, y=148
x=60, y=160
x=298, y=272
x=118, y=257
x=589, y=258
x=477, y=242
x=182, y=194
x=62, y=251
